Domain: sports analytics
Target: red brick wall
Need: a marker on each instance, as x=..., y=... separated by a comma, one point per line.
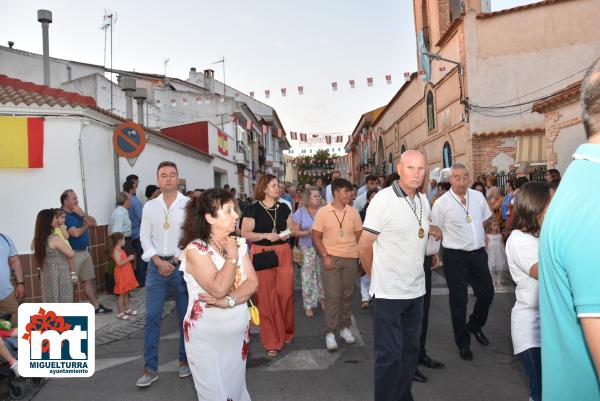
x=485, y=149
x=33, y=291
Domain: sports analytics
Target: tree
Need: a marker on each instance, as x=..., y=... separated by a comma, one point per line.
x=320, y=165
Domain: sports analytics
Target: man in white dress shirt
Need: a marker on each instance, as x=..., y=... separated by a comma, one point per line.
x=328, y=193
x=461, y=214
x=159, y=233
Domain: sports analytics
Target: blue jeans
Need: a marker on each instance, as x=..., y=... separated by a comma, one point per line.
x=140, y=265
x=157, y=289
x=397, y=333
x=532, y=362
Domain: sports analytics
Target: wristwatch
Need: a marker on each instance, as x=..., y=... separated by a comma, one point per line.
x=231, y=301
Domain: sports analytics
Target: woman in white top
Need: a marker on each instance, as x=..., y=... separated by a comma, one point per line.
x=522, y=254
x=220, y=279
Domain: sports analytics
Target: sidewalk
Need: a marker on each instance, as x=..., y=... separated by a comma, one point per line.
x=109, y=328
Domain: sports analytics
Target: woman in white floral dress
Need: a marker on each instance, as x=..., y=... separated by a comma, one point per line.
x=220, y=279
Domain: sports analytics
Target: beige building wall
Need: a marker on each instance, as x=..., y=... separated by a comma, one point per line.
x=509, y=56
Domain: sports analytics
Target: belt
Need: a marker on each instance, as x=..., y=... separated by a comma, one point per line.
x=171, y=259
x=466, y=252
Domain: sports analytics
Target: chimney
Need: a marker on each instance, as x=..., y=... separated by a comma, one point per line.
x=193, y=69
x=140, y=95
x=45, y=17
x=11, y=44
x=209, y=80
x=127, y=85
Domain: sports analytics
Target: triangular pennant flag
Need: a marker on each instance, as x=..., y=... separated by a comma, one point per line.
x=283, y=92
x=407, y=76
x=334, y=86
x=352, y=84
x=370, y=82
x=388, y=79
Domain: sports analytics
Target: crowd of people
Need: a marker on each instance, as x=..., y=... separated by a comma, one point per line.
x=216, y=252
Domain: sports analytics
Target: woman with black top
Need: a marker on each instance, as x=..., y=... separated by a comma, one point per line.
x=265, y=224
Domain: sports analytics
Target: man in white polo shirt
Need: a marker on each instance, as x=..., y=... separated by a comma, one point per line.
x=392, y=250
x=461, y=213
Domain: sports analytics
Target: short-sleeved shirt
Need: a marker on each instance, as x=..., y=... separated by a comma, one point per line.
x=263, y=221
x=570, y=280
x=398, y=252
x=7, y=250
x=120, y=222
x=327, y=221
x=303, y=217
x=522, y=250
x=451, y=216
x=77, y=243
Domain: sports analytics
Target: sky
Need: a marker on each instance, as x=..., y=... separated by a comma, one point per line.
x=267, y=44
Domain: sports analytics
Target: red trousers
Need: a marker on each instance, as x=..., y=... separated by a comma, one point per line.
x=275, y=298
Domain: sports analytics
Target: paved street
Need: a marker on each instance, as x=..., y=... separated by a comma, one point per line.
x=305, y=371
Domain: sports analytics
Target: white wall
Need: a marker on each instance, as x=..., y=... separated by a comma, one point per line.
x=26, y=191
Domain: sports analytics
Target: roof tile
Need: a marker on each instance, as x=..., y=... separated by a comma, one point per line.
x=16, y=91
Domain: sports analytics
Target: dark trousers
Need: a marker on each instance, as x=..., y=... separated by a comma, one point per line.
x=532, y=361
x=397, y=328
x=141, y=267
x=461, y=269
x=426, y=301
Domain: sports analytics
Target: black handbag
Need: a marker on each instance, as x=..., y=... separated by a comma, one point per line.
x=265, y=260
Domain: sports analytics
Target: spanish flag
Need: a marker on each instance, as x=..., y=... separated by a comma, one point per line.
x=21, y=142
x=222, y=143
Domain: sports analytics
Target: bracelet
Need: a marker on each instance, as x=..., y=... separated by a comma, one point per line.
x=232, y=260
x=21, y=283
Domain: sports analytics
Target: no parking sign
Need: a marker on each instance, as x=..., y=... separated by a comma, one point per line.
x=129, y=140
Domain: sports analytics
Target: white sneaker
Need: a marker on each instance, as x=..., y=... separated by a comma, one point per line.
x=330, y=342
x=346, y=334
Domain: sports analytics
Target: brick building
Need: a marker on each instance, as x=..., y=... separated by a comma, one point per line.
x=480, y=73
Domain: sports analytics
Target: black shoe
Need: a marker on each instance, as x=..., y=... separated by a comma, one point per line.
x=466, y=354
x=420, y=377
x=480, y=337
x=103, y=309
x=431, y=363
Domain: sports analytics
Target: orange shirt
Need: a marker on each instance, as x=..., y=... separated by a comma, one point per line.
x=327, y=221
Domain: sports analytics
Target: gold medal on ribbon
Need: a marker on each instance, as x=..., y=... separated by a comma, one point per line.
x=166, y=225
x=421, y=233
x=469, y=219
x=340, y=233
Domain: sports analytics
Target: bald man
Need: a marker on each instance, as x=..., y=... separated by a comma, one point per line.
x=392, y=250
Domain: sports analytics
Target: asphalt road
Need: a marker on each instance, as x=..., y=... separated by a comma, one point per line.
x=306, y=371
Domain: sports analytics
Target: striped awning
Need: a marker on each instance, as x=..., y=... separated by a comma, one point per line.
x=531, y=149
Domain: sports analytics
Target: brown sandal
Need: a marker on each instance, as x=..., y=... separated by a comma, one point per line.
x=272, y=353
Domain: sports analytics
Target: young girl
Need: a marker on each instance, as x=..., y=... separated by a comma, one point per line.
x=495, y=250
x=124, y=279
x=61, y=232
x=522, y=253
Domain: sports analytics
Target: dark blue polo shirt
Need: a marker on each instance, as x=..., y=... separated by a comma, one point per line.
x=81, y=243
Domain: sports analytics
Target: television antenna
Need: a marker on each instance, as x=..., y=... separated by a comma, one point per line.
x=108, y=22
x=165, y=62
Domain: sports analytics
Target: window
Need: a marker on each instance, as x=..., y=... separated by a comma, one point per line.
x=447, y=155
x=430, y=112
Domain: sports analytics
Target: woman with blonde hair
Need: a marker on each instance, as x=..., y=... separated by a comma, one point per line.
x=303, y=218
x=267, y=224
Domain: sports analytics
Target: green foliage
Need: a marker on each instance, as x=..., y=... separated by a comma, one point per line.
x=310, y=168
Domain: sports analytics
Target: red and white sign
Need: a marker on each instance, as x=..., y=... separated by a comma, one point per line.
x=334, y=86
x=370, y=82
x=283, y=92
x=388, y=79
x=301, y=90
x=352, y=84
